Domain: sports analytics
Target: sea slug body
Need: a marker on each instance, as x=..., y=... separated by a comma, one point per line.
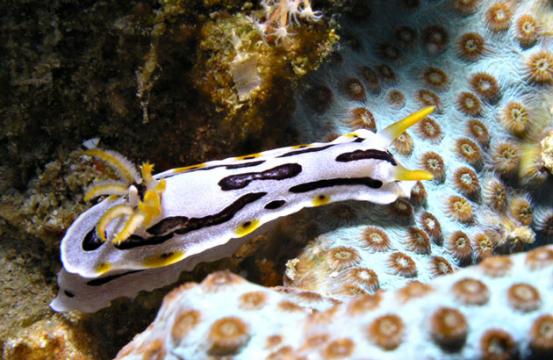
x=183, y=216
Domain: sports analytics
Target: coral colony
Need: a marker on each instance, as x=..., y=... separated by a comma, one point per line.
x=500, y=309
x=426, y=268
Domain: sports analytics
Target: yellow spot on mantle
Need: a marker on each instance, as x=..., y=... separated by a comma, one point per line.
x=300, y=146
x=247, y=227
x=248, y=157
x=103, y=268
x=351, y=135
x=188, y=168
x=164, y=259
x=320, y=200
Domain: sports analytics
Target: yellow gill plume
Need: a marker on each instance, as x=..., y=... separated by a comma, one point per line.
x=137, y=211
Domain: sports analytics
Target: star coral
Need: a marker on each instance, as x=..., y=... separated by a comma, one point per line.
x=506, y=310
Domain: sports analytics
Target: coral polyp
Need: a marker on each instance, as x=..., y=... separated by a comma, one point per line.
x=471, y=46
x=485, y=85
x=527, y=29
x=499, y=16
x=386, y=331
x=469, y=104
x=540, y=67
x=449, y=329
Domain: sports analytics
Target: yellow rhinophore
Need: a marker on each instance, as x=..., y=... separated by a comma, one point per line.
x=404, y=174
x=396, y=129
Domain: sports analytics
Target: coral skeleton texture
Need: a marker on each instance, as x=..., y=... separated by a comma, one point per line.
x=501, y=308
x=487, y=67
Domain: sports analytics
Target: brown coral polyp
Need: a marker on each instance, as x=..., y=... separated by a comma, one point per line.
x=496, y=266
x=418, y=241
x=514, y=118
x=466, y=6
x=497, y=344
x=430, y=129
x=459, y=246
x=539, y=258
x=367, y=278
x=376, y=239
x=483, y=245
x=449, y=329
x=527, y=30
x=354, y=89
x=364, y=303
x=485, y=85
x=467, y=182
x=433, y=163
x=402, y=264
x=523, y=297
x=342, y=257
x=432, y=226
x=470, y=291
x=361, y=118
x=404, y=144
x=469, y=104
x=460, y=209
x=403, y=208
x=471, y=46
x=386, y=73
x=184, y=323
x=227, y=335
x=541, y=336
x=418, y=194
x=386, y=331
x=396, y=99
x=389, y=51
x=435, y=38
x=406, y=35
x=540, y=67
x=498, y=16
x=479, y=131
x=521, y=210
x=469, y=151
x=440, y=266
x=371, y=79
x=506, y=158
x=430, y=98
x=340, y=348
x=434, y=76
x=253, y=300
x=414, y=289
x=495, y=195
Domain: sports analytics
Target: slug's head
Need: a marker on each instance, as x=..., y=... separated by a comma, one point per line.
x=390, y=133
x=139, y=195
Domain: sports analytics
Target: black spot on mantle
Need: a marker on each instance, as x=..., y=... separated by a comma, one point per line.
x=367, y=181
x=240, y=181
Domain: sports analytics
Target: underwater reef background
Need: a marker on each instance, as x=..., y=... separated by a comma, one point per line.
x=172, y=82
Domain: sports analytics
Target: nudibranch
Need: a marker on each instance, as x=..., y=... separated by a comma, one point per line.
x=154, y=226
